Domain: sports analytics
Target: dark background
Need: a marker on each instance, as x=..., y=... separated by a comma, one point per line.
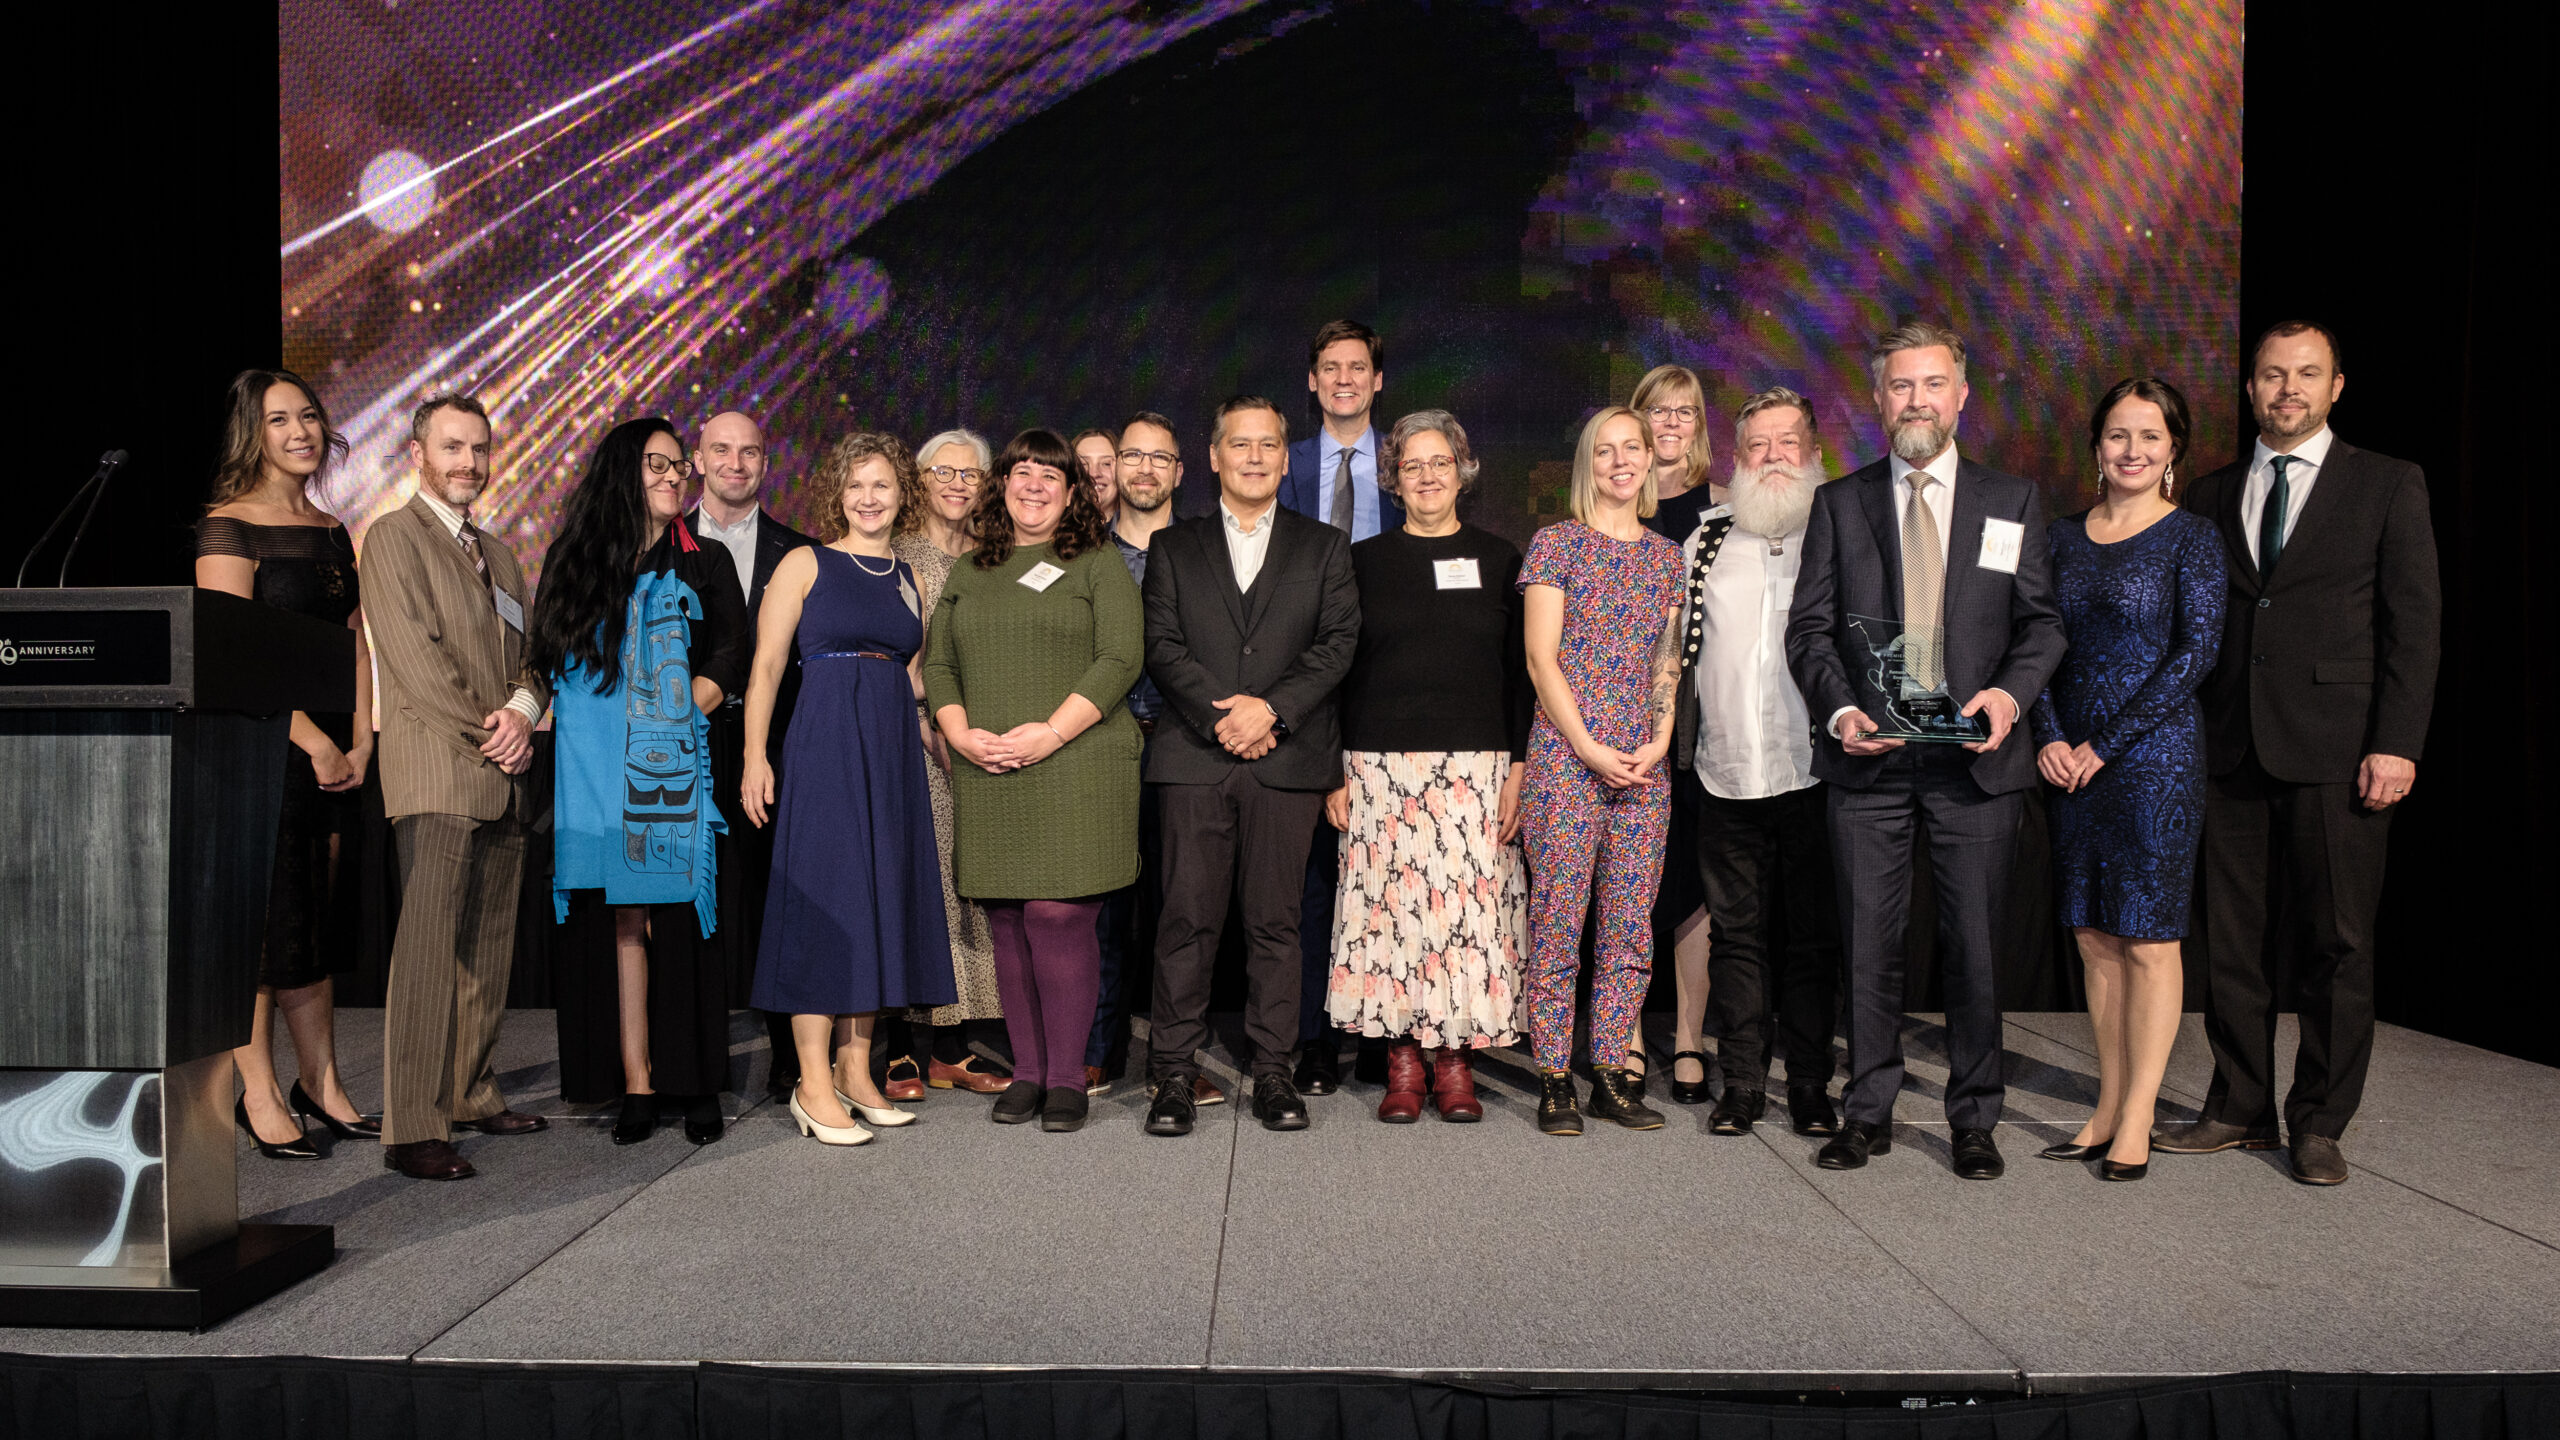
x=2397, y=188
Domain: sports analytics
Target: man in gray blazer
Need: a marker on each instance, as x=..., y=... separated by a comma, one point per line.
x=446, y=605
x=1953, y=552
x=1252, y=617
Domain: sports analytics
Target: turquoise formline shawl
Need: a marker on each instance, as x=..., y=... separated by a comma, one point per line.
x=632, y=809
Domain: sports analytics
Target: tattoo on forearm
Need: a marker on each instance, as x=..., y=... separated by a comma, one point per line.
x=1666, y=666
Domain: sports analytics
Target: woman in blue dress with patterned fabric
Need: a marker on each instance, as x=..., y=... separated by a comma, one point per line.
x=2121, y=739
x=854, y=920
x=642, y=631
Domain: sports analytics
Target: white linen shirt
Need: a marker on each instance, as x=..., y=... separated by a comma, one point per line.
x=1754, y=737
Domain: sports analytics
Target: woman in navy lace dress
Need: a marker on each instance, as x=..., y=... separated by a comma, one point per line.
x=2120, y=738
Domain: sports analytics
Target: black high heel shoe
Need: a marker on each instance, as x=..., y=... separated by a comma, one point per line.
x=2117, y=1170
x=639, y=1119
x=366, y=1127
x=2068, y=1151
x=300, y=1148
x=1682, y=1091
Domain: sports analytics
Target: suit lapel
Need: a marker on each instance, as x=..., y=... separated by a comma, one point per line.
x=1214, y=555
x=2328, y=500
x=443, y=544
x=2235, y=540
x=1875, y=496
x=1275, y=561
x=1964, y=539
x=770, y=548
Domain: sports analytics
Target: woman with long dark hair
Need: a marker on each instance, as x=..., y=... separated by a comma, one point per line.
x=1034, y=647
x=642, y=632
x=264, y=537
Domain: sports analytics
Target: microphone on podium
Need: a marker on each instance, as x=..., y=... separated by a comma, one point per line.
x=95, y=487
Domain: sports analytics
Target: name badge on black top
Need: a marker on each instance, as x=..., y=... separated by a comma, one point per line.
x=1457, y=574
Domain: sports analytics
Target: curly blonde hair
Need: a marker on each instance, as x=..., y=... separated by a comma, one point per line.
x=836, y=472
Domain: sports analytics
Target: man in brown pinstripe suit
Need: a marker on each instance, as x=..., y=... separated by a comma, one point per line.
x=458, y=709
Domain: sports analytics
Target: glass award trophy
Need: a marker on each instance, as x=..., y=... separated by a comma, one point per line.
x=1912, y=710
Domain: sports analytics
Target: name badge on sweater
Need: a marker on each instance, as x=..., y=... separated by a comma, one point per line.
x=1044, y=575
x=508, y=609
x=1457, y=574
x=2000, y=542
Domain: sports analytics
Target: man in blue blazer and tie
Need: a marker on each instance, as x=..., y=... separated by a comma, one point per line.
x=1334, y=477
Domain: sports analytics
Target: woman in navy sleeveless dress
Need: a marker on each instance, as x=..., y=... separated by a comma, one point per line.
x=854, y=920
x=2120, y=737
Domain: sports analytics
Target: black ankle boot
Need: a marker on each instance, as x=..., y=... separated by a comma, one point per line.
x=1557, y=1112
x=1618, y=1095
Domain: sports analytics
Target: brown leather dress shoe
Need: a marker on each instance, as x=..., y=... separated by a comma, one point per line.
x=2317, y=1161
x=906, y=1082
x=427, y=1160
x=1205, y=1091
x=1453, y=1086
x=2205, y=1137
x=969, y=1074
x=505, y=1122
x=1402, y=1104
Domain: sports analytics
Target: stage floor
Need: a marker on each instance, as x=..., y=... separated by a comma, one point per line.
x=1486, y=1251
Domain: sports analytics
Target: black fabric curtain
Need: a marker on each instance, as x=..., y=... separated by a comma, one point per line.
x=291, y=1399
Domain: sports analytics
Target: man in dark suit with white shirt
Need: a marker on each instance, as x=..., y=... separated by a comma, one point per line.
x=1333, y=477
x=731, y=457
x=1954, y=553
x=1252, y=619
x=2314, y=716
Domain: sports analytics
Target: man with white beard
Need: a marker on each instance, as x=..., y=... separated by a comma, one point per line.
x=1764, y=851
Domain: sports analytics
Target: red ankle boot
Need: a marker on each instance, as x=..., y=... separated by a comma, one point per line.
x=1453, y=1086
x=1402, y=1104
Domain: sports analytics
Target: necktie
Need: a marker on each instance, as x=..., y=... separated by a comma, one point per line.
x=1340, y=519
x=2271, y=517
x=1923, y=588
x=469, y=540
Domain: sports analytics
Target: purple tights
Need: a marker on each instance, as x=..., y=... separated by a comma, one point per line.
x=1048, y=971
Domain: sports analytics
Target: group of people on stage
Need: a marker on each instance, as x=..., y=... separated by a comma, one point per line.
x=1006, y=735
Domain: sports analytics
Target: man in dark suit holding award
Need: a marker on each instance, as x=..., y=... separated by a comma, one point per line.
x=730, y=457
x=1252, y=618
x=1925, y=606
x=2314, y=716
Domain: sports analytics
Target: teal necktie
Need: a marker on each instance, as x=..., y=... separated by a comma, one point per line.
x=2271, y=518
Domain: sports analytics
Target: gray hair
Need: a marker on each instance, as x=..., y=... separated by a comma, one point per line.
x=1779, y=397
x=1917, y=335
x=976, y=442
x=1419, y=422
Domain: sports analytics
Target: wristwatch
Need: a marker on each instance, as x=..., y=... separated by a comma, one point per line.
x=1279, y=727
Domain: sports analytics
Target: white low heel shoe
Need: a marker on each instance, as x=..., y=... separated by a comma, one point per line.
x=828, y=1134
x=887, y=1118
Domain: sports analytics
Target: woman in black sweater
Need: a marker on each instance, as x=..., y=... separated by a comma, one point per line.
x=1433, y=910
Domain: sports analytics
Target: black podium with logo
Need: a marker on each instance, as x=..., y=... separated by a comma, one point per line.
x=143, y=739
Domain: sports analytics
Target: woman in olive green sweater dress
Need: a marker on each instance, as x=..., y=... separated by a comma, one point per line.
x=1036, y=641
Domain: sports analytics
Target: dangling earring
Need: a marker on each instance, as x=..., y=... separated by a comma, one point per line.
x=2168, y=481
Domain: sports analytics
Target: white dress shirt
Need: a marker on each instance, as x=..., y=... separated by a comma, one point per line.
x=1754, y=739
x=1246, y=548
x=522, y=701
x=2299, y=477
x=740, y=540
x=1364, y=480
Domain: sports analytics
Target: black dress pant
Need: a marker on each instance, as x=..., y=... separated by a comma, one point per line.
x=1971, y=837
x=746, y=869
x=1238, y=840
x=2316, y=854
x=1766, y=868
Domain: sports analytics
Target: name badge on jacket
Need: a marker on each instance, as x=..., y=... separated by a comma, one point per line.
x=1044, y=575
x=1457, y=574
x=508, y=609
x=2000, y=542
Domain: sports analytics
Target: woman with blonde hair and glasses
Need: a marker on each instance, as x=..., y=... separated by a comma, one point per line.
x=1673, y=402
x=933, y=533
x=1601, y=609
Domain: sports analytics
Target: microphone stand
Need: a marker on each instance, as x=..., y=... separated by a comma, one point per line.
x=95, y=488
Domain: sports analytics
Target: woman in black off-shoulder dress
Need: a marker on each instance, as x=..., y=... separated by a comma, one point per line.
x=265, y=539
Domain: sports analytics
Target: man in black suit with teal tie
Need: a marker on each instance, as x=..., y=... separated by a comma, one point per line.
x=1954, y=554
x=730, y=457
x=2314, y=716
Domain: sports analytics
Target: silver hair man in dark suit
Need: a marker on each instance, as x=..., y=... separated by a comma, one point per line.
x=1954, y=553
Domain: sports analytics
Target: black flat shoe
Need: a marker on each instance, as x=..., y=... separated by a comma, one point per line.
x=2068, y=1151
x=1276, y=1103
x=365, y=1127
x=1062, y=1109
x=1173, y=1108
x=1976, y=1156
x=1809, y=1110
x=1856, y=1141
x=639, y=1119
x=702, y=1120
x=1737, y=1111
x=1319, y=1067
x=1682, y=1092
x=1557, y=1112
x=1019, y=1102
x=2118, y=1170
x=296, y=1149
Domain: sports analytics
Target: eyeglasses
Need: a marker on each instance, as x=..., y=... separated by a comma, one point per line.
x=1440, y=466
x=658, y=465
x=945, y=474
x=1149, y=459
x=1685, y=414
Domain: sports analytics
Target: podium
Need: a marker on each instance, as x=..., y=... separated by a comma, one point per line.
x=143, y=737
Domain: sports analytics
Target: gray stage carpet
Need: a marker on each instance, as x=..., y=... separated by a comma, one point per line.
x=1485, y=1251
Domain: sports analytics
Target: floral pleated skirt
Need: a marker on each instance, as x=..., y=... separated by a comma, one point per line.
x=1433, y=913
